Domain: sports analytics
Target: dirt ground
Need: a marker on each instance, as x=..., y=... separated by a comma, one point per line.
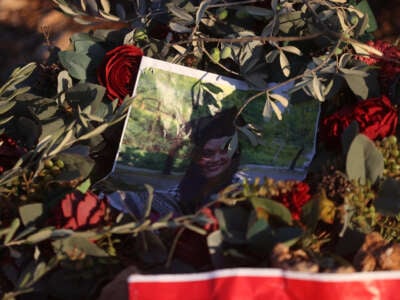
x=27, y=26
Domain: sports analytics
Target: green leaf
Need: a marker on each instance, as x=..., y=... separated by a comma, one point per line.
x=364, y=161
x=125, y=228
x=40, y=236
x=273, y=208
x=17, y=76
x=388, y=199
x=30, y=213
x=292, y=22
x=181, y=13
x=288, y=235
x=12, y=229
x=5, y=107
x=249, y=134
x=212, y=87
x=364, y=7
x=202, y=9
x=75, y=166
x=226, y=52
x=233, y=221
x=256, y=228
x=18, y=92
x=271, y=56
x=259, y=11
x=86, y=95
x=40, y=270
x=76, y=63
x=73, y=243
x=84, y=186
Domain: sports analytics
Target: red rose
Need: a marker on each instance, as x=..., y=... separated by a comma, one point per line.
x=10, y=152
x=376, y=117
x=295, y=198
x=119, y=71
x=332, y=127
x=80, y=211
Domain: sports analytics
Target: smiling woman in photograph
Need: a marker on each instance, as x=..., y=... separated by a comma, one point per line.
x=212, y=167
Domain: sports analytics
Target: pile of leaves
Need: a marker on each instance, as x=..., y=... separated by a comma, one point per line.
x=60, y=125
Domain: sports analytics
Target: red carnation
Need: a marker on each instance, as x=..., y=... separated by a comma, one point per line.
x=376, y=117
x=332, y=127
x=295, y=198
x=10, y=152
x=80, y=211
x=119, y=71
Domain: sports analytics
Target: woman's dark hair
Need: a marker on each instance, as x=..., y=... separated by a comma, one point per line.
x=195, y=189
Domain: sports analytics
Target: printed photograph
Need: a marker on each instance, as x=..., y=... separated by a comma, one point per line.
x=183, y=117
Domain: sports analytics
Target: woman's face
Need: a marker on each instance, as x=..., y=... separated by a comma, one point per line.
x=214, y=158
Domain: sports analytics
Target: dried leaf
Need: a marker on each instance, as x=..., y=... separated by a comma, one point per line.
x=233, y=144
x=267, y=110
x=283, y=100
x=179, y=27
x=65, y=8
x=106, y=5
x=285, y=65
x=292, y=49
x=317, y=88
x=364, y=49
x=180, y=13
x=271, y=56
x=64, y=81
x=83, y=5
x=202, y=9
x=108, y=16
x=277, y=111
